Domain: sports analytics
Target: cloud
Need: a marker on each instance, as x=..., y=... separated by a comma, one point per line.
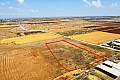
x=115, y=5
x=87, y=2
x=94, y=3
x=20, y=1
x=10, y=7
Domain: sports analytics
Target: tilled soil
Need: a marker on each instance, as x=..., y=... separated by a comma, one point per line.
x=28, y=63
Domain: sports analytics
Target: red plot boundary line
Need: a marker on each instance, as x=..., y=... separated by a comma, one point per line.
x=73, y=44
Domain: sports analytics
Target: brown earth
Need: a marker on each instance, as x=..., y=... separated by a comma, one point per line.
x=34, y=62
x=105, y=28
x=110, y=27
x=27, y=63
x=21, y=62
x=115, y=31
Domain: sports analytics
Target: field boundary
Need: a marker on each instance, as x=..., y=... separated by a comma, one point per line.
x=98, y=57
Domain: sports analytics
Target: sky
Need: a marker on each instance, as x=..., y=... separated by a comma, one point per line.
x=58, y=8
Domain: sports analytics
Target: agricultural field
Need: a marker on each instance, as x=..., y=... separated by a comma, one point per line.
x=76, y=31
x=112, y=27
x=58, y=26
x=27, y=63
x=30, y=38
x=30, y=61
x=71, y=57
x=95, y=37
x=5, y=31
x=91, y=74
x=26, y=57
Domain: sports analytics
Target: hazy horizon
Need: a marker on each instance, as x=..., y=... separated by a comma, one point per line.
x=55, y=8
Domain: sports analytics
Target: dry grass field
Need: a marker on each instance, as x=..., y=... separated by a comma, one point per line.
x=59, y=26
x=30, y=38
x=5, y=31
x=69, y=75
x=70, y=56
x=95, y=37
x=33, y=61
x=23, y=62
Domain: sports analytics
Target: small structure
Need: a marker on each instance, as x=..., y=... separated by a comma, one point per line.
x=113, y=44
x=110, y=69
